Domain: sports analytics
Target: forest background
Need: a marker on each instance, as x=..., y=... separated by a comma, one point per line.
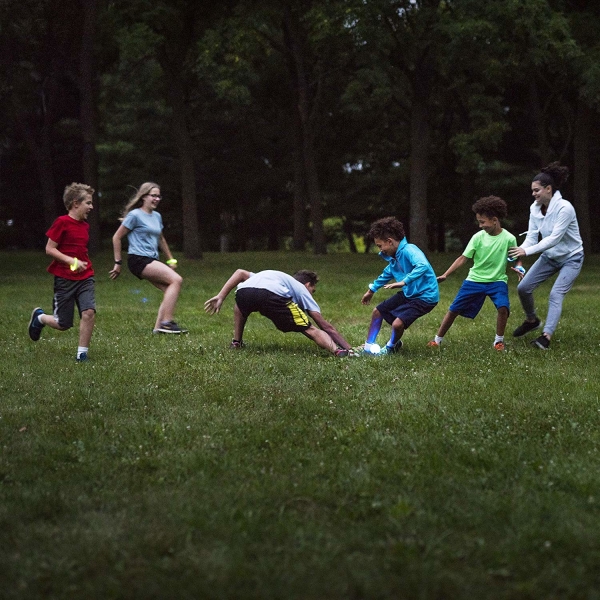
x=276, y=125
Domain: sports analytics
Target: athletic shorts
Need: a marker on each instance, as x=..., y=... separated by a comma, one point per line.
x=137, y=264
x=408, y=310
x=284, y=312
x=67, y=294
x=472, y=295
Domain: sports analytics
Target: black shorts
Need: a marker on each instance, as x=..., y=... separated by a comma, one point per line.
x=285, y=314
x=137, y=264
x=68, y=293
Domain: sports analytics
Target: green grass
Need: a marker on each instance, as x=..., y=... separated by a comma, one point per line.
x=171, y=467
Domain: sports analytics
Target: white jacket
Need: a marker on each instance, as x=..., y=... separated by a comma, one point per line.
x=558, y=227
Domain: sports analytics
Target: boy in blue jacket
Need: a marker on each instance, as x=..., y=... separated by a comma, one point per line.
x=408, y=266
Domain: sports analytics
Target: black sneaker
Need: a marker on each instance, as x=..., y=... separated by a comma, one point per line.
x=83, y=357
x=543, y=343
x=235, y=345
x=341, y=353
x=35, y=327
x=526, y=327
x=169, y=327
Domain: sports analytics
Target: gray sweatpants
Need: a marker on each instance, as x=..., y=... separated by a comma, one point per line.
x=543, y=268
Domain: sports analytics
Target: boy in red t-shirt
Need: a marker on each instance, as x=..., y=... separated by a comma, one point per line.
x=72, y=269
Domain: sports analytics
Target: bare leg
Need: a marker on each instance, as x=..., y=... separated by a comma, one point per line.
x=397, y=331
x=86, y=327
x=321, y=338
x=168, y=282
x=501, y=320
x=239, y=322
x=447, y=322
x=50, y=321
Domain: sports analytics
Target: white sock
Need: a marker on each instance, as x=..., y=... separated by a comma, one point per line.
x=499, y=338
x=368, y=346
x=437, y=339
x=81, y=350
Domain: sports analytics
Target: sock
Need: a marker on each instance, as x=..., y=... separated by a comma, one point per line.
x=81, y=350
x=368, y=346
x=499, y=338
x=437, y=339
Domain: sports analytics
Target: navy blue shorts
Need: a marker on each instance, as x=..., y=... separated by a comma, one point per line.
x=472, y=295
x=283, y=312
x=408, y=310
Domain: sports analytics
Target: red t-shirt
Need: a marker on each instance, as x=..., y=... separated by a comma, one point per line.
x=72, y=237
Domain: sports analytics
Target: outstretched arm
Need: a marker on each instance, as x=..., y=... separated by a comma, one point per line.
x=328, y=328
x=213, y=305
x=457, y=264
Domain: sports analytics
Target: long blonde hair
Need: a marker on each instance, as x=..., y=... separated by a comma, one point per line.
x=136, y=200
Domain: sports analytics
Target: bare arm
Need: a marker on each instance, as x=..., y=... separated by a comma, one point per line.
x=53, y=251
x=213, y=305
x=164, y=248
x=121, y=232
x=457, y=264
x=328, y=328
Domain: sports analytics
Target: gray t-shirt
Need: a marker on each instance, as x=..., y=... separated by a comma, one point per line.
x=145, y=231
x=284, y=285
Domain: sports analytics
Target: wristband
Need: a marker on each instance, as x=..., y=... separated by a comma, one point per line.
x=172, y=261
x=521, y=269
x=73, y=267
x=118, y=262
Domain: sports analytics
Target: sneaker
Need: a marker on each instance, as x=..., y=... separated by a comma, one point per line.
x=341, y=353
x=526, y=327
x=235, y=345
x=83, y=357
x=433, y=344
x=391, y=350
x=499, y=346
x=543, y=343
x=35, y=327
x=169, y=327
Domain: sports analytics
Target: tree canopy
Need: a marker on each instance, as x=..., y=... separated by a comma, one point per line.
x=274, y=125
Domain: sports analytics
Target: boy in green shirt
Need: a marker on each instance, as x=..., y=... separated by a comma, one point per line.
x=487, y=277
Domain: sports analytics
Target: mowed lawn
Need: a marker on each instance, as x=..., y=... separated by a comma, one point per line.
x=173, y=467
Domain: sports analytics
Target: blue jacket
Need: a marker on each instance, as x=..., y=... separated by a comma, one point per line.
x=411, y=266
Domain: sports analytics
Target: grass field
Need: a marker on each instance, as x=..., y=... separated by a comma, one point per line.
x=172, y=467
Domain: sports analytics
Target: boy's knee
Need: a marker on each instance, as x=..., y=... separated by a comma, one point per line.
x=375, y=314
x=88, y=315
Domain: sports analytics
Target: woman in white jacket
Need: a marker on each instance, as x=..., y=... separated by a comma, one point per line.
x=552, y=218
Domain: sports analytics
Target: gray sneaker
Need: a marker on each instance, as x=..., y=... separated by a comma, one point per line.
x=169, y=327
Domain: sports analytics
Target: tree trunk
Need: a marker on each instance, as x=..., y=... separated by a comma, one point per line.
x=88, y=115
x=42, y=156
x=419, y=151
x=582, y=171
x=183, y=141
x=296, y=65
x=544, y=150
x=300, y=201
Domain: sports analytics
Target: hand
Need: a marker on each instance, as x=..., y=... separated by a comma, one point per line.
x=81, y=266
x=391, y=286
x=366, y=299
x=213, y=305
x=442, y=278
x=520, y=271
x=516, y=252
x=115, y=272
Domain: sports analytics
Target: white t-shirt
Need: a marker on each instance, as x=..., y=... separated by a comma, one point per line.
x=284, y=285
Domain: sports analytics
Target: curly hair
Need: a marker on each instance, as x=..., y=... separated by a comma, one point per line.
x=553, y=175
x=490, y=206
x=388, y=227
x=306, y=276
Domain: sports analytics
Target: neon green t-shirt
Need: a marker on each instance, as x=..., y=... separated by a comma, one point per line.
x=489, y=254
